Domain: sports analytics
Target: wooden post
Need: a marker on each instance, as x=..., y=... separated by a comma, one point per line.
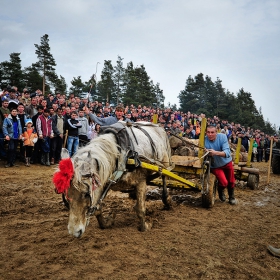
x=270, y=159
x=65, y=139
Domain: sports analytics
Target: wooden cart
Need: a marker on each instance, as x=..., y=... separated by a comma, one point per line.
x=194, y=172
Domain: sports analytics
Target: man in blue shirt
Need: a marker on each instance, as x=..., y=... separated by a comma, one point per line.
x=221, y=163
x=119, y=116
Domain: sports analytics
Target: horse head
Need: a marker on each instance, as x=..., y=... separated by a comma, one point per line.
x=84, y=192
x=79, y=181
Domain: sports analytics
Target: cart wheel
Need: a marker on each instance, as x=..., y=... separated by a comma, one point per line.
x=253, y=181
x=208, y=199
x=65, y=201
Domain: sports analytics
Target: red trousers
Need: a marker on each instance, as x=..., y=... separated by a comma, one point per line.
x=225, y=175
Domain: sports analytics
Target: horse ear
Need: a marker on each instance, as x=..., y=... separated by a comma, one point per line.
x=64, y=153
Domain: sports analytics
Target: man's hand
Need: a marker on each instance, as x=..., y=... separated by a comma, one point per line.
x=86, y=109
x=211, y=152
x=216, y=153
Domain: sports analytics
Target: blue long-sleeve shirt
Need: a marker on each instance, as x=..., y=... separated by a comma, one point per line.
x=219, y=144
x=103, y=121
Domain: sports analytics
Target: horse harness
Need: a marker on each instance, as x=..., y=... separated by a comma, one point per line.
x=123, y=133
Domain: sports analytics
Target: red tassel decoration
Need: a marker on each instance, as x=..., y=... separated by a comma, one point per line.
x=62, y=178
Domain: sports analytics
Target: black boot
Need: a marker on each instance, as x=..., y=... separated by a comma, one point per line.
x=43, y=159
x=231, y=198
x=221, y=191
x=47, y=158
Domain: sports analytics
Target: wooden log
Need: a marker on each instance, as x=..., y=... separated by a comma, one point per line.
x=250, y=170
x=175, y=142
x=186, y=161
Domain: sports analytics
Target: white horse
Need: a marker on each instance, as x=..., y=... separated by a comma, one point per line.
x=102, y=165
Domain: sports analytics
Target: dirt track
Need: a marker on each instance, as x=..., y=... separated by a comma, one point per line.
x=188, y=242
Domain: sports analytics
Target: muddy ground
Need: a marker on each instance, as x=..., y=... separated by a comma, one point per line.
x=187, y=242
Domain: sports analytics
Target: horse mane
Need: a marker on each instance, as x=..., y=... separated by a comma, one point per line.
x=98, y=158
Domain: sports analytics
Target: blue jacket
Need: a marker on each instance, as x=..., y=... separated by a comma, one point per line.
x=219, y=144
x=8, y=128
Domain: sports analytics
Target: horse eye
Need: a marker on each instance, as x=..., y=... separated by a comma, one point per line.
x=87, y=195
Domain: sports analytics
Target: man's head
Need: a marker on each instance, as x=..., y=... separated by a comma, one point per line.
x=119, y=111
x=5, y=103
x=34, y=101
x=81, y=113
x=46, y=112
x=26, y=94
x=20, y=108
x=211, y=132
x=59, y=112
x=73, y=115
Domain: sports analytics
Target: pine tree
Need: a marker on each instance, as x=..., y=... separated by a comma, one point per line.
x=159, y=95
x=60, y=84
x=118, y=79
x=78, y=87
x=32, y=78
x=11, y=72
x=46, y=62
x=106, y=86
x=130, y=85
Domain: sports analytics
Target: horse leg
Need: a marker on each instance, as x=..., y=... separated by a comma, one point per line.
x=165, y=195
x=105, y=222
x=140, y=206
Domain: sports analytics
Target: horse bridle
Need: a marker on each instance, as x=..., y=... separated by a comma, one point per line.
x=95, y=184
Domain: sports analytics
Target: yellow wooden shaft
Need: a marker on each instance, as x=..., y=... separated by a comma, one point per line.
x=163, y=171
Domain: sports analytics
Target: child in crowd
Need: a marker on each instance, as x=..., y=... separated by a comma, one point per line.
x=29, y=137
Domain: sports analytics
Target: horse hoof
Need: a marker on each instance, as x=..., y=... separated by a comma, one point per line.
x=146, y=227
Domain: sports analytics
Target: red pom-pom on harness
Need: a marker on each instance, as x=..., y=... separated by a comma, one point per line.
x=62, y=178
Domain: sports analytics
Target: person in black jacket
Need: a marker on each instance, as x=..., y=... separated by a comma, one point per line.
x=57, y=140
x=72, y=126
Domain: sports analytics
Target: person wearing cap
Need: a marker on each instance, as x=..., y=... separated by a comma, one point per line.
x=221, y=163
x=29, y=138
x=13, y=101
x=119, y=116
x=12, y=132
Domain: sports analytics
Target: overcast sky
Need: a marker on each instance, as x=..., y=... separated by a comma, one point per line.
x=235, y=40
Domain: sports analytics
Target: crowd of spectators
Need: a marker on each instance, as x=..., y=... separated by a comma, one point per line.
x=59, y=121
